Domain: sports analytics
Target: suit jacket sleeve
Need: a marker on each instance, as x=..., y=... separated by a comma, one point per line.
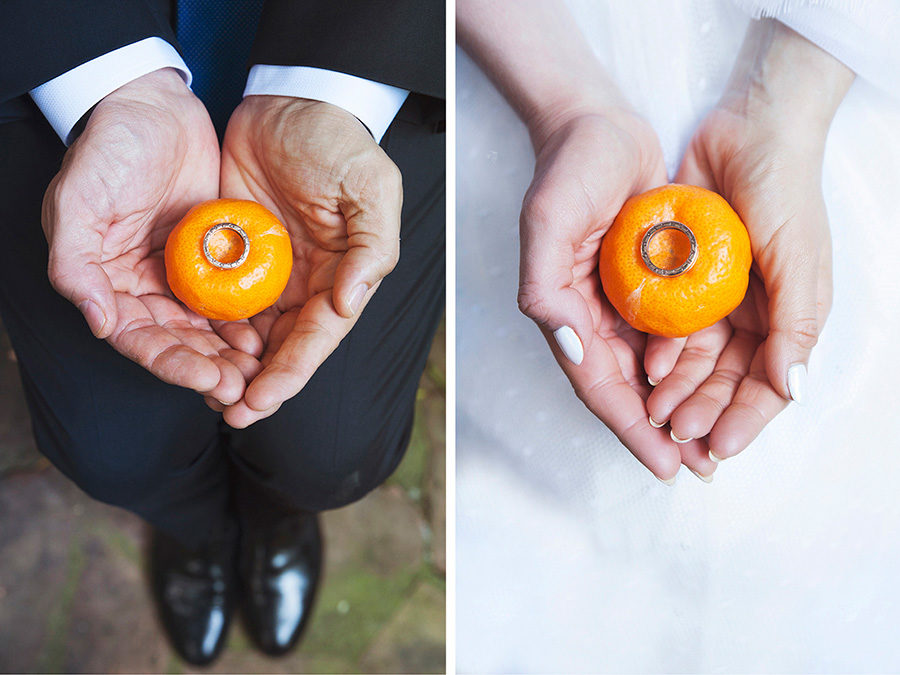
x=397, y=42
x=41, y=39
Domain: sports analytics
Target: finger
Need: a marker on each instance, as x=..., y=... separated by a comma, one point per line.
x=660, y=357
x=213, y=404
x=695, y=456
x=755, y=404
x=138, y=337
x=694, y=365
x=696, y=417
x=262, y=323
x=230, y=387
x=248, y=366
x=315, y=334
x=241, y=416
x=240, y=335
x=75, y=272
x=546, y=293
x=789, y=264
x=599, y=383
x=373, y=236
x=278, y=332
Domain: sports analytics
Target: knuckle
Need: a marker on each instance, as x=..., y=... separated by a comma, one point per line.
x=804, y=332
x=393, y=256
x=393, y=175
x=536, y=206
x=532, y=302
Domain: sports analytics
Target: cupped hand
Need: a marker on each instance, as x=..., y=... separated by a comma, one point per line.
x=318, y=169
x=733, y=378
x=762, y=149
x=147, y=154
x=587, y=167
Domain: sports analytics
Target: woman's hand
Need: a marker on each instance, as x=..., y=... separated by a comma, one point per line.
x=148, y=154
x=592, y=153
x=761, y=148
x=318, y=169
x=587, y=166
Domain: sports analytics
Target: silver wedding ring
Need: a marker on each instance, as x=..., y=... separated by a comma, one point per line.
x=219, y=263
x=669, y=225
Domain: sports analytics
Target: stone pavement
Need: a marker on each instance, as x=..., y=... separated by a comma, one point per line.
x=73, y=593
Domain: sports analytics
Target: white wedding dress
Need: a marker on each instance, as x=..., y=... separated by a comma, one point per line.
x=571, y=557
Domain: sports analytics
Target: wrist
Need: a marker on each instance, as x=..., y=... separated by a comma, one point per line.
x=546, y=120
x=267, y=109
x=156, y=87
x=549, y=121
x=160, y=98
x=785, y=82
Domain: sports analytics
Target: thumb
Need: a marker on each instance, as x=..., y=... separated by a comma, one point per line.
x=373, y=234
x=790, y=268
x=78, y=277
x=546, y=295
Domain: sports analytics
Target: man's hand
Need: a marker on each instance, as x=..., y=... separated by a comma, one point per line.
x=148, y=154
x=318, y=169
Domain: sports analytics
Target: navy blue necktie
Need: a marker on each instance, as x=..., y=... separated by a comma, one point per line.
x=215, y=38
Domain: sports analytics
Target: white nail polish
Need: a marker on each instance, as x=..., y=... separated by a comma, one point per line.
x=653, y=382
x=796, y=381
x=679, y=440
x=713, y=458
x=670, y=482
x=654, y=423
x=705, y=479
x=571, y=346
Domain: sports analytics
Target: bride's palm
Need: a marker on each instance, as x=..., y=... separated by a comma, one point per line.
x=726, y=384
x=585, y=171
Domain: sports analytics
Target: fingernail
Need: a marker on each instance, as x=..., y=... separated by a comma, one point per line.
x=653, y=382
x=571, y=346
x=357, y=297
x=705, y=479
x=94, y=315
x=796, y=382
x=715, y=459
x=654, y=423
x=679, y=440
x=670, y=481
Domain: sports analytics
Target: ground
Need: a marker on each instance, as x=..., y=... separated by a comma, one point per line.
x=73, y=592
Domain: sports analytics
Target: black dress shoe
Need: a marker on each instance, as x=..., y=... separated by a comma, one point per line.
x=195, y=592
x=280, y=565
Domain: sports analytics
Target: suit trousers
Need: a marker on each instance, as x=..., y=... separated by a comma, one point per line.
x=128, y=439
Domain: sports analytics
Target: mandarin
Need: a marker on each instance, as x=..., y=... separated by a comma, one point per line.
x=676, y=260
x=228, y=259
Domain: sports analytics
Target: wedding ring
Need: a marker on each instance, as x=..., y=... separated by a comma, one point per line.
x=669, y=225
x=218, y=263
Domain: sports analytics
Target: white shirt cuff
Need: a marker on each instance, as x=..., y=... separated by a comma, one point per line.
x=373, y=103
x=66, y=98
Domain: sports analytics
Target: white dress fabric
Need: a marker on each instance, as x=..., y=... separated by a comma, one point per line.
x=571, y=557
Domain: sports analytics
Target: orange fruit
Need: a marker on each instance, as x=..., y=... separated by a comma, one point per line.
x=228, y=259
x=676, y=260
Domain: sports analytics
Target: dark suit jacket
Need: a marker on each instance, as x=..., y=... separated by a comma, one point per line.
x=397, y=42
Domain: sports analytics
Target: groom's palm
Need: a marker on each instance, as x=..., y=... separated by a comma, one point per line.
x=146, y=156
x=321, y=173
